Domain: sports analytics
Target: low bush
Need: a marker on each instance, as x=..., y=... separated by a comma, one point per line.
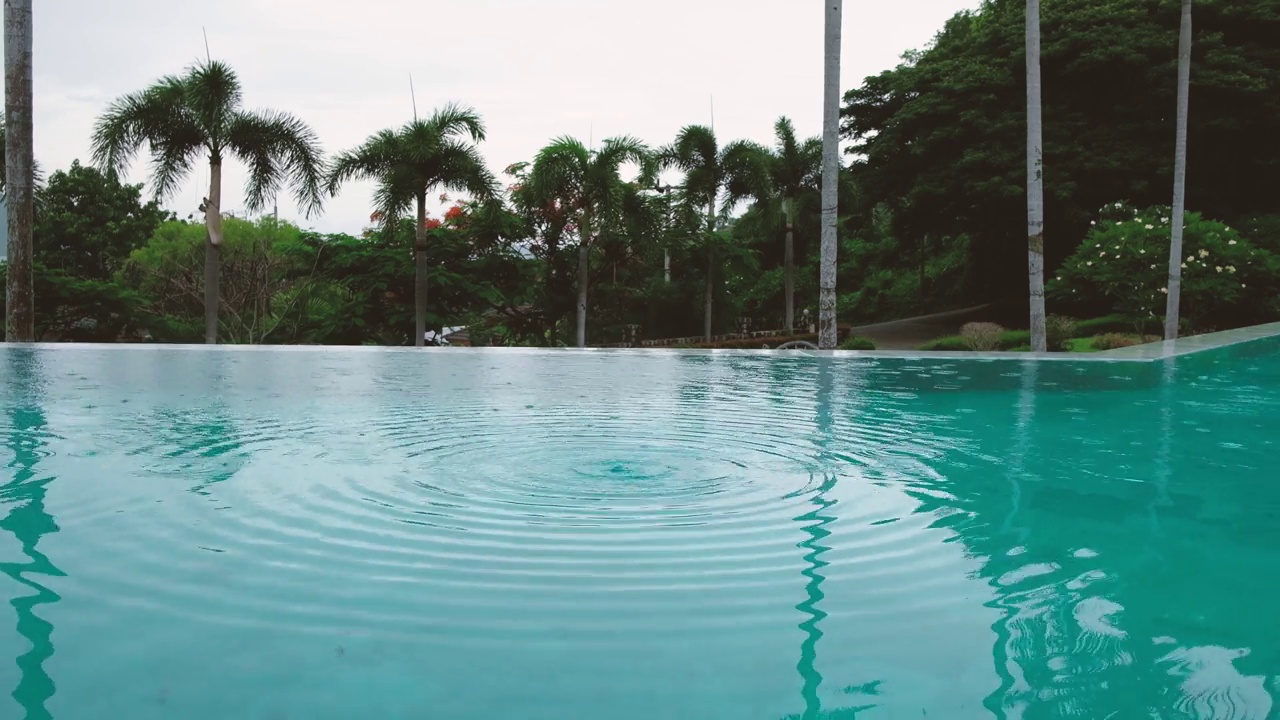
x=1058, y=330
x=857, y=343
x=982, y=336
x=1115, y=341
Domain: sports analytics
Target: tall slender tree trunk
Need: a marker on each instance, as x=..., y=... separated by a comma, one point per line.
x=1172, y=309
x=1035, y=182
x=584, y=268
x=420, y=274
x=666, y=264
x=827, y=334
x=789, y=262
x=20, y=320
x=213, y=251
x=711, y=270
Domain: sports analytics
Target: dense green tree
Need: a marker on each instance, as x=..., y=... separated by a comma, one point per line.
x=89, y=222
x=181, y=119
x=939, y=139
x=411, y=162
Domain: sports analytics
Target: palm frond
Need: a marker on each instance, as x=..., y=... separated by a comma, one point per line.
x=462, y=169
x=156, y=117
x=279, y=149
x=744, y=168
x=369, y=161
x=454, y=119
x=213, y=95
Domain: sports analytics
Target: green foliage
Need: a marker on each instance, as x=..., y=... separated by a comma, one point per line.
x=941, y=138
x=1105, y=324
x=1011, y=339
x=1122, y=268
x=953, y=343
x=858, y=343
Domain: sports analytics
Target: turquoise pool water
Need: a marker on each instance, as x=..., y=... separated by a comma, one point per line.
x=346, y=534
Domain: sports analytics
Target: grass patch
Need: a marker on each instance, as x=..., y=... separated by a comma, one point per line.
x=1081, y=345
x=1088, y=329
x=1013, y=339
x=857, y=343
x=954, y=343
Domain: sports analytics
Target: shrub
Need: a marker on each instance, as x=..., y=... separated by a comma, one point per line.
x=982, y=336
x=1123, y=265
x=1021, y=348
x=1058, y=330
x=953, y=343
x=1115, y=341
x=857, y=343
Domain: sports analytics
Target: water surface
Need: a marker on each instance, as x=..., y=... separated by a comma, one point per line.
x=375, y=534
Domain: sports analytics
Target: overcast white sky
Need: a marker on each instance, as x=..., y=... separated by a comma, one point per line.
x=535, y=69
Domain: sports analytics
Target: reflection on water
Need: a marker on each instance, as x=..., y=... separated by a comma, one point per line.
x=550, y=535
x=22, y=493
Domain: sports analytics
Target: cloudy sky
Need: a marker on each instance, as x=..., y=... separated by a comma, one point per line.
x=535, y=69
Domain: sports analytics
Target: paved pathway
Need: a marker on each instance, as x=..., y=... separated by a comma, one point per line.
x=911, y=333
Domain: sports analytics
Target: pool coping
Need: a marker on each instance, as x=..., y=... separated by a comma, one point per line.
x=1152, y=352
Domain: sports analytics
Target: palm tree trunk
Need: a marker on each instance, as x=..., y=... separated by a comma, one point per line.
x=830, y=178
x=584, y=267
x=666, y=265
x=711, y=270
x=420, y=274
x=213, y=251
x=1172, y=309
x=789, y=271
x=1035, y=182
x=19, y=172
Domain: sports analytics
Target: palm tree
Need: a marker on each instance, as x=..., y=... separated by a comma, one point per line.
x=411, y=162
x=795, y=168
x=1179, y=176
x=737, y=171
x=588, y=185
x=1035, y=181
x=199, y=114
x=19, y=183
x=827, y=335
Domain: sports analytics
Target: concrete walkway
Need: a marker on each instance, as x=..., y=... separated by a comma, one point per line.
x=911, y=333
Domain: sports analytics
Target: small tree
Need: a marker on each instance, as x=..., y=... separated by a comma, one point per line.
x=199, y=114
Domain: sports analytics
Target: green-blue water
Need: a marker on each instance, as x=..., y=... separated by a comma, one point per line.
x=347, y=534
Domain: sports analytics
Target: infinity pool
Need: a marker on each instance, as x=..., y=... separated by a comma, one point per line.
x=316, y=534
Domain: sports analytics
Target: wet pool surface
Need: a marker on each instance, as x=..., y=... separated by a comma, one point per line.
x=319, y=534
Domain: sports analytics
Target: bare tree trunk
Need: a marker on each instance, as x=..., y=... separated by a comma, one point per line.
x=1035, y=182
x=213, y=251
x=1172, y=309
x=420, y=274
x=584, y=268
x=827, y=334
x=20, y=325
x=666, y=264
x=789, y=261
x=711, y=270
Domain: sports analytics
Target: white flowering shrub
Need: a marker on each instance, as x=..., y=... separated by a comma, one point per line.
x=1123, y=267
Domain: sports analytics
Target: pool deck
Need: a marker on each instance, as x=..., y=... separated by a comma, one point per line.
x=1152, y=352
